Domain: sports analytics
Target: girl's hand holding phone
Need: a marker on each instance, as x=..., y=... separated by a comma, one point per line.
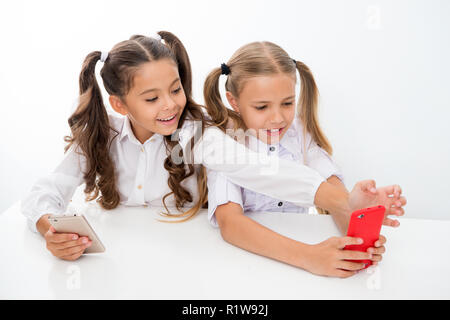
x=329, y=258
x=66, y=246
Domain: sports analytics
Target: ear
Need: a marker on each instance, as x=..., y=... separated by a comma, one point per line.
x=118, y=105
x=232, y=101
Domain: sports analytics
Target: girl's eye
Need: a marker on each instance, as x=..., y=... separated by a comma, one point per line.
x=260, y=107
x=152, y=99
x=288, y=103
x=177, y=90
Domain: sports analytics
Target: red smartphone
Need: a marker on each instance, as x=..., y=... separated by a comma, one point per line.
x=365, y=224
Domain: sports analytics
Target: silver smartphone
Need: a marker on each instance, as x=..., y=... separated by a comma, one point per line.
x=79, y=225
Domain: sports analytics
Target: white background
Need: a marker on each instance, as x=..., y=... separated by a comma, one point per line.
x=382, y=68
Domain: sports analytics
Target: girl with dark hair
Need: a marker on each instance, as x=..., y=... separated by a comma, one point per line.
x=127, y=159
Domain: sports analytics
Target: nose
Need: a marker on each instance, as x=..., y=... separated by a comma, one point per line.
x=276, y=117
x=169, y=103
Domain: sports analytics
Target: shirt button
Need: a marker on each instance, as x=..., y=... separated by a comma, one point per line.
x=139, y=187
x=272, y=148
x=280, y=204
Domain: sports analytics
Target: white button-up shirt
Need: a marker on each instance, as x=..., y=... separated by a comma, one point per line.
x=139, y=168
x=221, y=190
x=142, y=178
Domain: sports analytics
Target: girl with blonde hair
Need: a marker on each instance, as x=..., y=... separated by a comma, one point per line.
x=260, y=88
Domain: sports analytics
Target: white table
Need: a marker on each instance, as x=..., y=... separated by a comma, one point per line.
x=147, y=259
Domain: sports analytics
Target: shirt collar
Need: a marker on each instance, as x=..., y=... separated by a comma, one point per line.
x=127, y=131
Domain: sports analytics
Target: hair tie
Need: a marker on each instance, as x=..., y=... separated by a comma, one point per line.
x=225, y=69
x=157, y=37
x=104, y=56
x=295, y=62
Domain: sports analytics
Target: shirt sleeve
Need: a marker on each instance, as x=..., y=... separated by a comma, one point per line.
x=319, y=160
x=255, y=171
x=51, y=194
x=221, y=191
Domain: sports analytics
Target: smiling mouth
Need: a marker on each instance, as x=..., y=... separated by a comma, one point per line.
x=167, y=119
x=274, y=132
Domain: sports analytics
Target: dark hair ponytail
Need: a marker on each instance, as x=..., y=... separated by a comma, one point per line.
x=91, y=133
x=182, y=59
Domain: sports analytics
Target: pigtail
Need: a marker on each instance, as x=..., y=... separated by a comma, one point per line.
x=219, y=113
x=213, y=102
x=182, y=59
x=90, y=129
x=308, y=106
